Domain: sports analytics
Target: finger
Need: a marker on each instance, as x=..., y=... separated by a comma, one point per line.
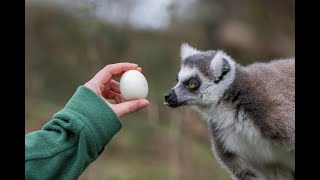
x=120, y=74
x=113, y=95
x=114, y=86
x=105, y=75
x=118, y=98
x=108, y=94
x=130, y=106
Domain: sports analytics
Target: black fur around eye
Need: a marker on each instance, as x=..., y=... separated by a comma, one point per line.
x=192, y=83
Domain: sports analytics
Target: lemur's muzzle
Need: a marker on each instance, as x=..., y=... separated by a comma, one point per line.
x=171, y=99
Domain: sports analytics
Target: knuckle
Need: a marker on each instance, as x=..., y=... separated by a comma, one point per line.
x=108, y=66
x=133, y=108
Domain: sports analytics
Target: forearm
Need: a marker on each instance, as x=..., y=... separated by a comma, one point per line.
x=74, y=138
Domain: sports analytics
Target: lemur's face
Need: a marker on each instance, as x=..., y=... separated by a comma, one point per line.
x=202, y=79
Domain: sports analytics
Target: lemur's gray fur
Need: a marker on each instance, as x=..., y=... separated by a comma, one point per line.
x=250, y=111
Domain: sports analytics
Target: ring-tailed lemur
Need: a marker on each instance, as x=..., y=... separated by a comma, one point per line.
x=250, y=110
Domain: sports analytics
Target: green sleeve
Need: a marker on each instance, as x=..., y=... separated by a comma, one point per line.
x=73, y=139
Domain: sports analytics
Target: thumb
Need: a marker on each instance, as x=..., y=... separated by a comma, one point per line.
x=127, y=107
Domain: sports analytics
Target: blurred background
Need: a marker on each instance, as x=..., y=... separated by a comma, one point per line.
x=68, y=42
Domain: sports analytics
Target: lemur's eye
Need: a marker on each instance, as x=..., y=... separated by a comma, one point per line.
x=192, y=85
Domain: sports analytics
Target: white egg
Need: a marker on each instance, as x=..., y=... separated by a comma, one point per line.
x=133, y=85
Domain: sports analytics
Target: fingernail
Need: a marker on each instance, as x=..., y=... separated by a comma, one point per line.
x=143, y=103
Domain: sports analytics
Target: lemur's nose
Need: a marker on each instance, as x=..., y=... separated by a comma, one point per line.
x=167, y=96
x=171, y=99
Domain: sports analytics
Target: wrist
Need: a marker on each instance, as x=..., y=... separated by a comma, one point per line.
x=95, y=113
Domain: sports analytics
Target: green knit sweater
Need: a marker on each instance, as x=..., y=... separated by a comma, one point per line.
x=73, y=139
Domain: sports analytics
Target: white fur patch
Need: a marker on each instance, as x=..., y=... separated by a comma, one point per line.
x=241, y=137
x=186, y=50
x=185, y=73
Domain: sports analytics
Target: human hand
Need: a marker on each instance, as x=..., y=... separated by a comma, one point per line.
x=107, y=88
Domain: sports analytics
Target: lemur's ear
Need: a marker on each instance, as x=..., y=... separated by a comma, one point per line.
x=220, y=65
x=186, y=51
